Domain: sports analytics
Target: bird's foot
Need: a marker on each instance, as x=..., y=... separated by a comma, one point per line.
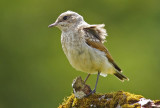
x=92, y=92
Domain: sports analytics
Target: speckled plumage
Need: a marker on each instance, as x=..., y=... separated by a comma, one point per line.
x=82, y=44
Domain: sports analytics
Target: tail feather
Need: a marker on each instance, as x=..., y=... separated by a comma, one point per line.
x=120, y=76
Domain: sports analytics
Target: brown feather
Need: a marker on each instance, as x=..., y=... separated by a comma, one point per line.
x=95, y=40
x=96, y=32
x=101, y=47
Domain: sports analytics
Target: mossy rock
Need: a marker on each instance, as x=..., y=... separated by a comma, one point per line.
x=118, y=99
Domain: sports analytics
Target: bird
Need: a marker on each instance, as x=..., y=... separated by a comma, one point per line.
x=83, y=45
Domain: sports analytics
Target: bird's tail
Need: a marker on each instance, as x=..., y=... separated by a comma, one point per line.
x=120, y=76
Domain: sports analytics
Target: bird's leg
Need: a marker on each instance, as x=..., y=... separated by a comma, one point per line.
x=94, y=90
x=87, y=78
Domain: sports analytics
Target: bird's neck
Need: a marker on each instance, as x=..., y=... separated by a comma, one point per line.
x=74, y=26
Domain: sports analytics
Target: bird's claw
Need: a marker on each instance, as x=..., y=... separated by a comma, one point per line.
x=92, y=92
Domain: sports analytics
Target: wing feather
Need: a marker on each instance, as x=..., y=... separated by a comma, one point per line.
x=95, y=39
x=96, y=32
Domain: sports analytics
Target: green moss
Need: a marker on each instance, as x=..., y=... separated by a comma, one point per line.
x=109, y=100
x=157, y=101
x=68, y=102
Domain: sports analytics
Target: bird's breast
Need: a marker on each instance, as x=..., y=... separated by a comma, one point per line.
x=71, y=44
x=76, y=51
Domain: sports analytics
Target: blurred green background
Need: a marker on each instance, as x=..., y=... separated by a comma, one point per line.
x=34, y=72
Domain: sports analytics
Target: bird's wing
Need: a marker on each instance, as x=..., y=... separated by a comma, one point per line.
x=95, y=32
x=95, y=36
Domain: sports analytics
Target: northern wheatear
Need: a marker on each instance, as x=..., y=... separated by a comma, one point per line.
x=82, y=44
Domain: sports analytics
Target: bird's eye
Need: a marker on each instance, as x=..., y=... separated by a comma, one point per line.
x=65, y=17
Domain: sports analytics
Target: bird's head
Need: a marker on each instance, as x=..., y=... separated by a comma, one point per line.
x=67, y=20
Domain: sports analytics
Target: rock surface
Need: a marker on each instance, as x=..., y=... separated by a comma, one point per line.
x=118, y=99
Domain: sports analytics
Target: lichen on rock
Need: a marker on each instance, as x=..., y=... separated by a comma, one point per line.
x=118, y=99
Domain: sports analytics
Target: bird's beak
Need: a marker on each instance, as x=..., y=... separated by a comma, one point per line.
x=53, y=25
